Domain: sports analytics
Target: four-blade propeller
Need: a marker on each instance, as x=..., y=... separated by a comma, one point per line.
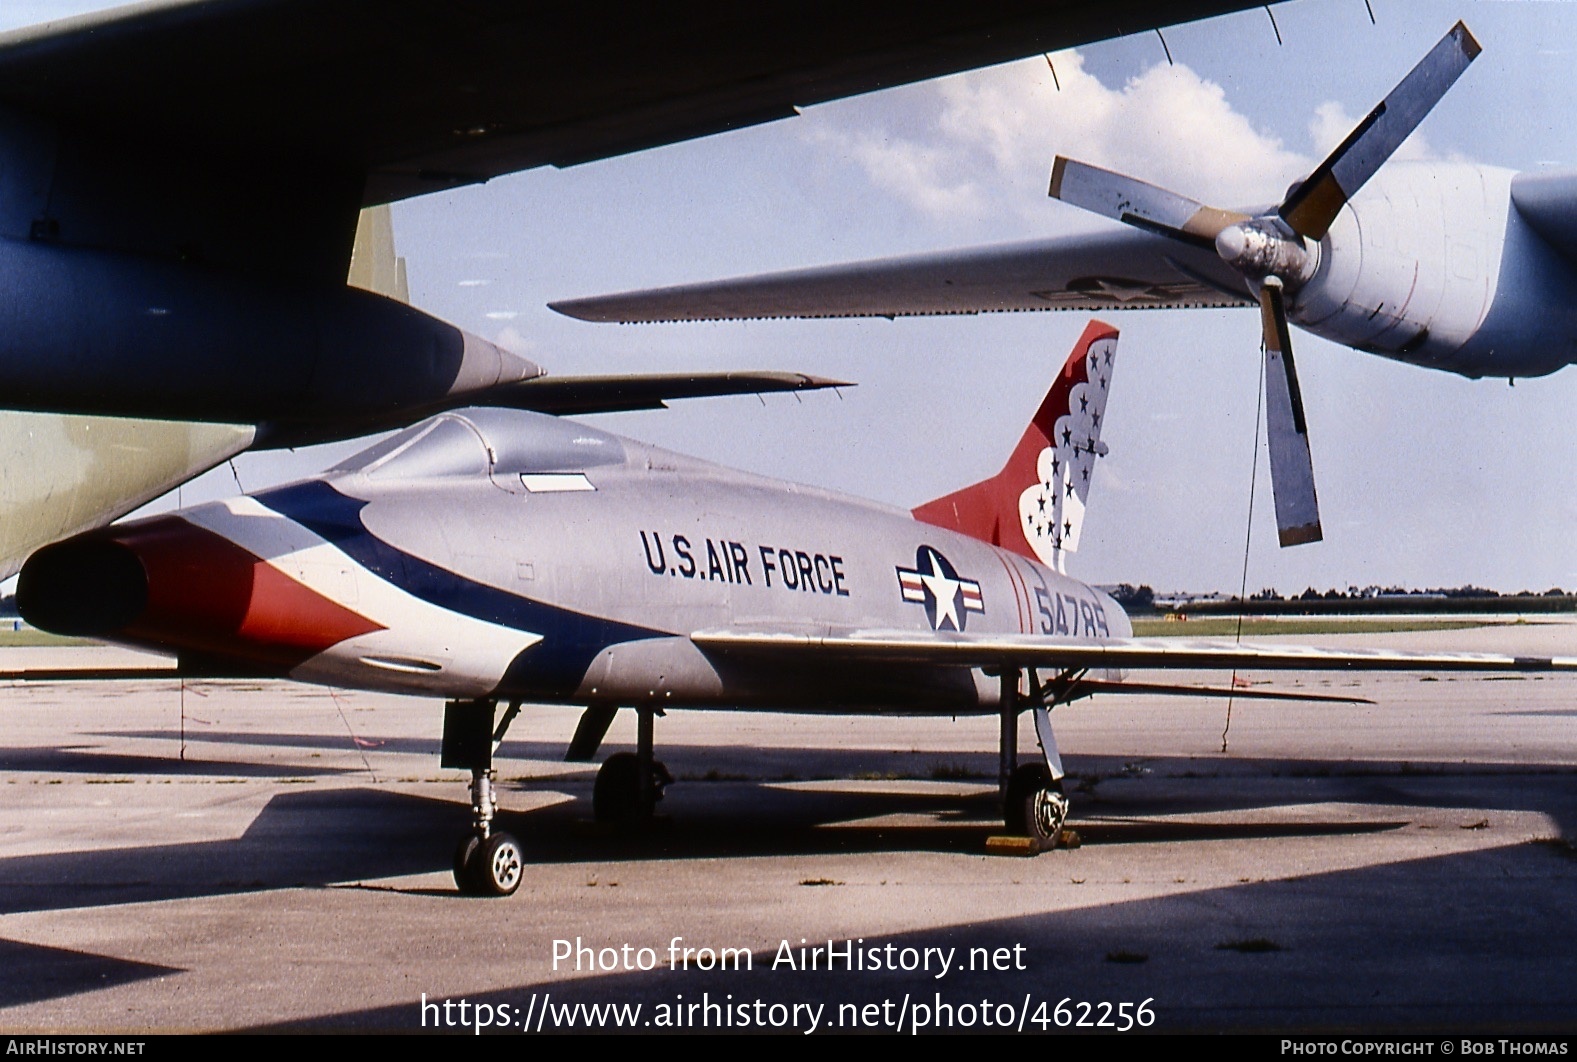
x=1277, y=252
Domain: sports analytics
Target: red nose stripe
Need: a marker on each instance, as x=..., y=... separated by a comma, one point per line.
x=206, y=594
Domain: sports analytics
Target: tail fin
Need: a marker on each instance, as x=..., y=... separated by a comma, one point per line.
x=374, y=265
x=1035, y=505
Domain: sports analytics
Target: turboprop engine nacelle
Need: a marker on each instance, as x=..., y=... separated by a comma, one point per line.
x=1431, y=263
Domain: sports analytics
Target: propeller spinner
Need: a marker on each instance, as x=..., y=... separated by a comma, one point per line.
x=1278, y=252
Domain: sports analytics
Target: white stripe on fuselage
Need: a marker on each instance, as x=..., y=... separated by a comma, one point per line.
x=425, y=649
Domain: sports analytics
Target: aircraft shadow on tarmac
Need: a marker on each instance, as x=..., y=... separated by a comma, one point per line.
x=320, y=836
x=34, y=973
x=1475, y=941
x=94, y=760
x=323, y=837
x=1396, y=944
x=327, y=742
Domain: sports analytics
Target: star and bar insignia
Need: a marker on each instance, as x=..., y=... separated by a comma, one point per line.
x=935, y=583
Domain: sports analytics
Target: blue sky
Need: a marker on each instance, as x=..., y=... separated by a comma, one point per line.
x=1424, y=479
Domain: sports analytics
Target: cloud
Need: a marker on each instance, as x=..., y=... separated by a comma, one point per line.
x=982, y=143
x=1331, y=124
x=512, y=340
x=930, y=177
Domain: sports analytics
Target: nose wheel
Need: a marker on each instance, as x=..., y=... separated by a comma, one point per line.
x=491, y=867
x=487, y=862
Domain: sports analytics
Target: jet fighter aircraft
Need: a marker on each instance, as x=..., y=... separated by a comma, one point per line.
x=493, y=556
x=1447, y=265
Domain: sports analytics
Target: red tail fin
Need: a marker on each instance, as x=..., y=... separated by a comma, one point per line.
x=1035, y=505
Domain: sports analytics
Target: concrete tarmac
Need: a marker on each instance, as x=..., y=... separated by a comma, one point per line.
x=273, y=856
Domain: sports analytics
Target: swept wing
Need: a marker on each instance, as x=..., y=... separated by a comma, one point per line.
x=988, y=650
x=1107, y=270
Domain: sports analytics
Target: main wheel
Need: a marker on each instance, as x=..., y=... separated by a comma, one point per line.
x=1036, y=807
x=617, y=798
x=498, y=866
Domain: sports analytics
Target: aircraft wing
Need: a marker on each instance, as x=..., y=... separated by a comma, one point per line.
x=1026, y=650
x=617, y=393
x=429, y=94
x=1119, y=269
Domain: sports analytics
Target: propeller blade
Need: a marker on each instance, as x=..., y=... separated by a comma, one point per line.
x=1313, y=205
x=1291, y=466
x=1136, y=203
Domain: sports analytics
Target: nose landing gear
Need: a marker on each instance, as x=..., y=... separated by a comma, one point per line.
x=486, y=862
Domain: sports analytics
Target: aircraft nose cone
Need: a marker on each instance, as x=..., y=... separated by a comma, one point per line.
x=171, y=585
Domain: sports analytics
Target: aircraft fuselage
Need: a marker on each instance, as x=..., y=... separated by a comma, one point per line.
x=509, y=554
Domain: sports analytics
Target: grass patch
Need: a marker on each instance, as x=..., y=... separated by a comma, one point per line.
x=818, y=882
x=28, y=638
x=953, y=772
x=1226, y=626
x=1251, y=946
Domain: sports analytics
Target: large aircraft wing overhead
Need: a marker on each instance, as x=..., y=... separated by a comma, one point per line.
x=428, y=94
x=969, y=650
x=1109, y=270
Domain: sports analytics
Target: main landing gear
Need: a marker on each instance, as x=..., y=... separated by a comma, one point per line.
x=1033, y=803
x=486, y=862
x=629, y=784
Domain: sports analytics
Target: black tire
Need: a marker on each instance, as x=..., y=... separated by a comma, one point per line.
x=616, y=798
x=1035, y=807
x=498, y=866
x=465, y=864
x=661, y=780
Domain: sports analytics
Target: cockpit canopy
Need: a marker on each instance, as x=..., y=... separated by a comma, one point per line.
x=481, y=442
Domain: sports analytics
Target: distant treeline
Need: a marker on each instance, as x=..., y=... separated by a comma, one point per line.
x=1353, y=602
